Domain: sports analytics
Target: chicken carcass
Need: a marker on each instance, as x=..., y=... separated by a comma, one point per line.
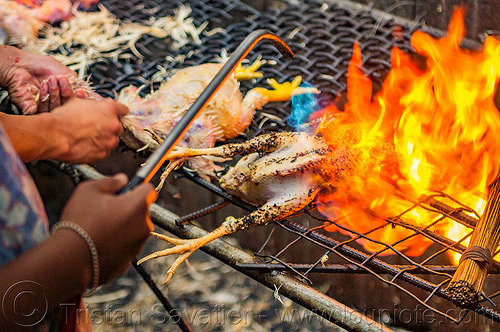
x=226, y=116
x=281, y=173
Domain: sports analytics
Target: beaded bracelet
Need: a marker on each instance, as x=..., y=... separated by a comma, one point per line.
x=92, y=248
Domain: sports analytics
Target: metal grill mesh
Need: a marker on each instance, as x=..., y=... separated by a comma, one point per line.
x=322, y=38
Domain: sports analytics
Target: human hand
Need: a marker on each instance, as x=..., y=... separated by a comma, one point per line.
x=117, y=224
x=36, y=83
x=86, y=130
x=54, y=92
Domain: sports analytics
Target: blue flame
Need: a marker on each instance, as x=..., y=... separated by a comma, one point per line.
x=302, y=107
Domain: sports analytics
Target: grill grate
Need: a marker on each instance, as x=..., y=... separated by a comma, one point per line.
x=321, y=37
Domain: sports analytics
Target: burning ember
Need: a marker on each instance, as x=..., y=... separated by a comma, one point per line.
x=445, y=129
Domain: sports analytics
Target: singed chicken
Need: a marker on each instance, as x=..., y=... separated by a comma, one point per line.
x=227, y=115
x=281, y=173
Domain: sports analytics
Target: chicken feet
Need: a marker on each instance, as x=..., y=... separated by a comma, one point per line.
x=267, y=213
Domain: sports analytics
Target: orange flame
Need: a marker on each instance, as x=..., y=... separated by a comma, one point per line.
x=428, y=129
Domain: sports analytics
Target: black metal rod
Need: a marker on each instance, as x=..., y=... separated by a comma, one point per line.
x=461, y=217
x=203, y=212
x=156, y=159
x=185, y=327
x=341, y=268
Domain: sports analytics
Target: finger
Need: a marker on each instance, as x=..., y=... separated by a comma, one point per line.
x=71, y=73
x=122, y=110
x=30, y=107
x=80, y=93
x=55, y=96
x=119, y=130
x=117, y=138
x=113, y=126
x=43, y=100
x=113, y=143
x=119, y=109
x=64, y=88
x=143, y=193
x=112, y=184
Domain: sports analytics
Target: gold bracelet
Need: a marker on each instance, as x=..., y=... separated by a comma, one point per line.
x=92, y=248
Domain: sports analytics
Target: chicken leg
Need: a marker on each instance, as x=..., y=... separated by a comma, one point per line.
x=271, y=211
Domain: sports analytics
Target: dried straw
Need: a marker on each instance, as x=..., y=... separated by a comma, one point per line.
x=467, y=282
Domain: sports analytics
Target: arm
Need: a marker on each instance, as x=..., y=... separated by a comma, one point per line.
x=76, y=132
x=56, y=270
x=80, y=131
x=61, y=265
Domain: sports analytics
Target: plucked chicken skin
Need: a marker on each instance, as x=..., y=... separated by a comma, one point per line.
x=281, y=173
x=226, y=116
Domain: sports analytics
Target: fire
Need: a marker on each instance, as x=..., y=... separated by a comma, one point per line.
x=432, y=128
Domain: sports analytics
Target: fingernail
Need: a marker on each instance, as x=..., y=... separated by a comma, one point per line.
x=52, y=82
x=64, y=83
x=44, y=88
x=44, y=92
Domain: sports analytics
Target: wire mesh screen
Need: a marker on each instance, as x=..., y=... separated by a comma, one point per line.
x=321, y=36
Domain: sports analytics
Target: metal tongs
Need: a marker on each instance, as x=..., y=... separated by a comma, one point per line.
x=157, y=158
